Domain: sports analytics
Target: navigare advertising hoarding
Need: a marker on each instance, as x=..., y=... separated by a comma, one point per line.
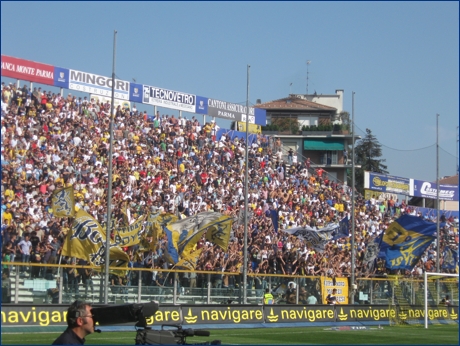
x=100, y=85
x=426, y=189
x=169, y=99
x=27, y=70
x=387, y=183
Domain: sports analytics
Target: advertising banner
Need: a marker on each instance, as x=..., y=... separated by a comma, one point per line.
x=387, y=183
x=252, y=128
x=380, y=196
x=341, y=284
x=135, y=92
x=103, y=99
x=61, y=77
x=230, y=111
x=238, y=314
x=429, y=190
x=55, y=315
x=169, y=99
x=99, y=85
x=201, y=105
x=27, y=70
x=299, y=313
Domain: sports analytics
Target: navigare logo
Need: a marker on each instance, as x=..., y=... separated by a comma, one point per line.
x=225, y=314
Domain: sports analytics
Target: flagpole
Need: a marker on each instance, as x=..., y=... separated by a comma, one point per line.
x=352, y=298
x=109, y=190
x=245, y=249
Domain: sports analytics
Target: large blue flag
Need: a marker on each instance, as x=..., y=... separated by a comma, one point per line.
x=405, y=241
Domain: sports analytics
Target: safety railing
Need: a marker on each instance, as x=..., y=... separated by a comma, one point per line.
x=204, y=287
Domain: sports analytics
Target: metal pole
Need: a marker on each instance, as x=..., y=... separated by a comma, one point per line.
x=109, y=191
x=437, y=195
x=139, y=286
x=425, y=292
x=438, y=238
x=352, y=300
x=245, y=249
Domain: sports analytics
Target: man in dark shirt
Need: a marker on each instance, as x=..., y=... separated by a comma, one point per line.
x=80, y=324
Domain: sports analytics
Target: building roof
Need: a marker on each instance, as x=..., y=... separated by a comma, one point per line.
x=290, y=103
x=453, y=180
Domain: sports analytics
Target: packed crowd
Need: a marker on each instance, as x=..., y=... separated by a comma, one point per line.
x=174, y=165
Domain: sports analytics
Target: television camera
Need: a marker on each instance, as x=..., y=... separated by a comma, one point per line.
x=170, y=334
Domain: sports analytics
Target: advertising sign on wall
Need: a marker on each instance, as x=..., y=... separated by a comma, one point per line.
x=135, y=92
x=169, y=99
x=56, y=315
x=99, y=85
x=252, y=128
x=230, y=111
x=102, y=99
x=27, y=70
x=387, y=183
x=380, y=196
x=429, y=190
x=341, y=284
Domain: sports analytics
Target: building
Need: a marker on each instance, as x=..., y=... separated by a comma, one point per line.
x=313, y=126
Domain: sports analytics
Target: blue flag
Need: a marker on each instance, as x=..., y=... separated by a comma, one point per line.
x=405, y=240
x=343, y=229
x=275, y=219
x=449, y=258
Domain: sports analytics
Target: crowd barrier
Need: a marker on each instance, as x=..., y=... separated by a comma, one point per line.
x=210, y=288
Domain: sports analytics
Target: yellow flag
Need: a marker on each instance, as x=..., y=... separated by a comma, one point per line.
x=157, y=224
x=129, y=235
x=87, y=240
x=189, y=260
x=63, y=202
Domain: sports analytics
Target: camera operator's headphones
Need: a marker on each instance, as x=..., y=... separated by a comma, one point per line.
x=73, y=312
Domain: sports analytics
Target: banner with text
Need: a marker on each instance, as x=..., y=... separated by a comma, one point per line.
x=169, y=99
x=27, y=70
x=99, y=85
x=387, y=183
x=189, y=315
x=425, y=189
x=230, y=111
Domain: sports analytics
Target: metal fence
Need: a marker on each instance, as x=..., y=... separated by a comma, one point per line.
x=203, y=287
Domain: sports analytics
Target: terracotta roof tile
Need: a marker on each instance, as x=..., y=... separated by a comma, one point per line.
x=294, y=103
x=453, y=180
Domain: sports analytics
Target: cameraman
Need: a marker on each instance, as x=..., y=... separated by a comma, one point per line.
x=80, y=324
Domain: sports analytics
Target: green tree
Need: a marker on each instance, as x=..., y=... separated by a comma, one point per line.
x=368, y=152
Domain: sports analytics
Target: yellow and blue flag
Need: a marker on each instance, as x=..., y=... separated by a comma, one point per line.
x=63, y=202
x=87, y=240
x=173, y=239
x=192, y=228
x=405, y=241
x=188, y=260
x=219, y=231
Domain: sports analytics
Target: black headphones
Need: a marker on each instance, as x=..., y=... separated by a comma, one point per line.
x=72, y=312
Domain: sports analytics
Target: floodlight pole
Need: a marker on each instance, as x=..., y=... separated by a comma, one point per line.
x=109, y=190
x=438, y=256
x=352, y=298
x=245, y=249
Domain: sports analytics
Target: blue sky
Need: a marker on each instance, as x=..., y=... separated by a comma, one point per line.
x=400, y=58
